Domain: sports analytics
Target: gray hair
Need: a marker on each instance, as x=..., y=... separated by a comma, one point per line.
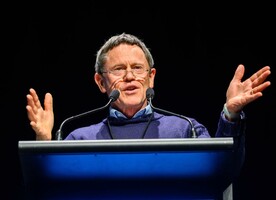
x=115, y=41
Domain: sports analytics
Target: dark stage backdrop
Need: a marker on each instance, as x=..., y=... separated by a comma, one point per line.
x=51, y=47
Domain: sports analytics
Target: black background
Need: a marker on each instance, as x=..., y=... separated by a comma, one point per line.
x=51, y=47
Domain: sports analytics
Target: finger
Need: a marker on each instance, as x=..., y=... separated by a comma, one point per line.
x=34, y=126
x=30, y=100
x=260, y=75
x=260, y=87
x=31, y=103
x=35, y=98
x=239, y=73
x=30, y=113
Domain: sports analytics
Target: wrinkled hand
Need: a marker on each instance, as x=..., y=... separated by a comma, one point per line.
x=41, y=120
x=240, y=93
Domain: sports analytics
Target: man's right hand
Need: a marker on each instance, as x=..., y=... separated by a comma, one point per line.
x=41, y=120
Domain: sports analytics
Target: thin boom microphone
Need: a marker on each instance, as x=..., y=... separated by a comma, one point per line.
x=114, y=95
x=150, y=95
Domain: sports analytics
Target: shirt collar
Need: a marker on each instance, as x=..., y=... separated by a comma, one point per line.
x=141, y=113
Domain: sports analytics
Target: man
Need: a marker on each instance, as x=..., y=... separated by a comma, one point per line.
x=125, y=64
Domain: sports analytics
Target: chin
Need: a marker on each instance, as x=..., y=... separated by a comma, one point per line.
x=133, y=102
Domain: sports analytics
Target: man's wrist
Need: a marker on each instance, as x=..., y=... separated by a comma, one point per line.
x=230, y=115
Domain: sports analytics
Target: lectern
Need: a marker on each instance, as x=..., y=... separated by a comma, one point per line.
x=191, y=168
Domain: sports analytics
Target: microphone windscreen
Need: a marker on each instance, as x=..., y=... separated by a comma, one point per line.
x=114, y=95
x=150, y=93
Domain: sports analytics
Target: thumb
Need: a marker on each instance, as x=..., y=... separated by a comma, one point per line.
x=48, y=102
x=239, y=73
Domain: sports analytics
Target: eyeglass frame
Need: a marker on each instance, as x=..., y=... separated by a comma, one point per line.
x=120, y=69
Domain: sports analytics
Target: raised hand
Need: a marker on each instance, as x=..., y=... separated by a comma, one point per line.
x=41, y=119
x=240, y=93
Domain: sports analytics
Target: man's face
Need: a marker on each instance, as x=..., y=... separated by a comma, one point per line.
x=127, y=70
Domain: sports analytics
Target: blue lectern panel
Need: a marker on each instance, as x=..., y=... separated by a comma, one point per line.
x=146, y=165
x=180, y=166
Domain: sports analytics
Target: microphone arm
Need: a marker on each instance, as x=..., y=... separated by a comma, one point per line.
x=150, y=95
x=112, y=97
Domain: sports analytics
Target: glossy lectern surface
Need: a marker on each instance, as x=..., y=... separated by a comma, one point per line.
x=127, y=169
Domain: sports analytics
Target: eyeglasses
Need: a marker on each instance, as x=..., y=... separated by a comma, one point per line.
x=119, y=71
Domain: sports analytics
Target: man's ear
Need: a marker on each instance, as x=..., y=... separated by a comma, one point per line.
x=151, y=77
x=100, y=82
